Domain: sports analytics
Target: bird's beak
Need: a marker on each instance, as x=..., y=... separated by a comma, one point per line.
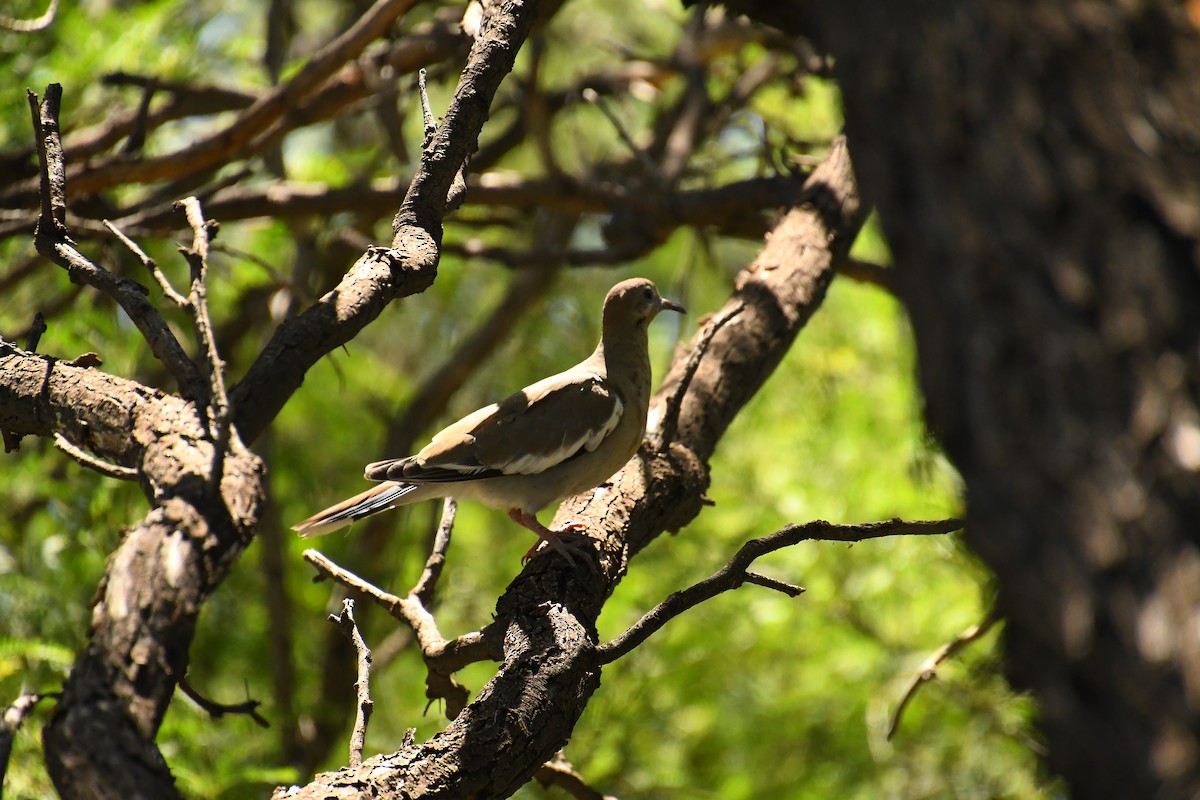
x=667, y=305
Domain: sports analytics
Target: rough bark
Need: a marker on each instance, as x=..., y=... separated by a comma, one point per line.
x=547, y=615
x=204, y=486
x=1035, y=167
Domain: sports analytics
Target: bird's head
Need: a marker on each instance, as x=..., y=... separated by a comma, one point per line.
x=633, y=304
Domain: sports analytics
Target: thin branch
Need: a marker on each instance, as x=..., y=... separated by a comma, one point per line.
x=664, y=433
x=427, y=584
x=150, y=264
x=86, y=459
x=362, y=684
x=217, y=710
x=790, y=589
x=928, y=669
x=427, y=120
x=593, y=97
x=53, y=242
x=197, y=256
x=35, y=332
x=562, y=774
x=734, y=574
x=30, y=25
x=442, y=657
x=10, y=723
x=868, y=272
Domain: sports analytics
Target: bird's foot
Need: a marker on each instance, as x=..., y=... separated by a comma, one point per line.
x=567, y=541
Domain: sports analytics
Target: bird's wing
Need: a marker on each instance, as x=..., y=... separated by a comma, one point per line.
x=535, y=429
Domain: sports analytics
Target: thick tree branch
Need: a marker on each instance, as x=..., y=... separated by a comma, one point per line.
x=547, y=616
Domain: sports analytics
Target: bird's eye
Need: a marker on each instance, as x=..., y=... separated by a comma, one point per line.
x=648, y=293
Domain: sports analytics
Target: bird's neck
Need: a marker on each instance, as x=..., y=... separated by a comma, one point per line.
x=624, y=356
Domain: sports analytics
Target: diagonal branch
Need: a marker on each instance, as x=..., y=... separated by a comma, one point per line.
x=546, y=618
x=928, y=669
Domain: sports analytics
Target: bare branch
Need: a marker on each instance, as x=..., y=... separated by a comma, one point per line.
x=427, y=584
x=409, y=265
x=734, y=574
x=35, y=332
x=442, y=657
x=928, y=669
x=663, y=433
x=427, y=120
x=31, y=25
x=105, y=468
x=150, y=264
x=53, y=242
x=11, y=722
x=868, y=272
x=560, y=773
x=217, y=710
x=362, y=684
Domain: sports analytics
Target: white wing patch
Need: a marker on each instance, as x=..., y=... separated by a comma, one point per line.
x=532, y=464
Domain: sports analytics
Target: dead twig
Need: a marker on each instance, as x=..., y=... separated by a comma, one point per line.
x=197, y=257
x=562, y=774
x=928, y=669
x=53, y=241
x=150, y=264
x=664, y=433
x=106, y=468
x=427, y=584
x=735, y=573
x=362, y=684
x=217, y=710
x=442, y=657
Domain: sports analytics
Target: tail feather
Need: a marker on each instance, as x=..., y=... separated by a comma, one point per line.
x=376, y=499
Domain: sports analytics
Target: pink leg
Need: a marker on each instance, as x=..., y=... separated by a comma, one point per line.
x=558, y=539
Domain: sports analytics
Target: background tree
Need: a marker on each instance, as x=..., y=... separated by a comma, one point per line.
x=632, y=136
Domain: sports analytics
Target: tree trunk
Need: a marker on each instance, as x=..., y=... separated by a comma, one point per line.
x=1035, y=167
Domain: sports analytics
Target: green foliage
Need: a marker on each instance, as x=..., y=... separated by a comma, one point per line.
x=750, y=695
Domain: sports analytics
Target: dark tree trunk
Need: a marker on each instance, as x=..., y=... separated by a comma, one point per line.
x=1037, y=170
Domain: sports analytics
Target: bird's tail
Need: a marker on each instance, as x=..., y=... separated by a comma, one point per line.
x=373, y=501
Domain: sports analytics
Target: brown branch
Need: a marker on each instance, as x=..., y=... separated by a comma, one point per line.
x=53, y=242
x=546, y=618
x=735, y=573
x=928, y=669
x=663, y=433
x=868, y=272
x=217, y=710
x=197, y=257
x=91, y=462
x=362, y=683
x=560, y=773
x=442, y=657
x=150, y=264
x=10, y=723
x=427, y=583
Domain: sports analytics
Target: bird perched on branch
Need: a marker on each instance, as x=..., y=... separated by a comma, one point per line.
x=558, y=437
